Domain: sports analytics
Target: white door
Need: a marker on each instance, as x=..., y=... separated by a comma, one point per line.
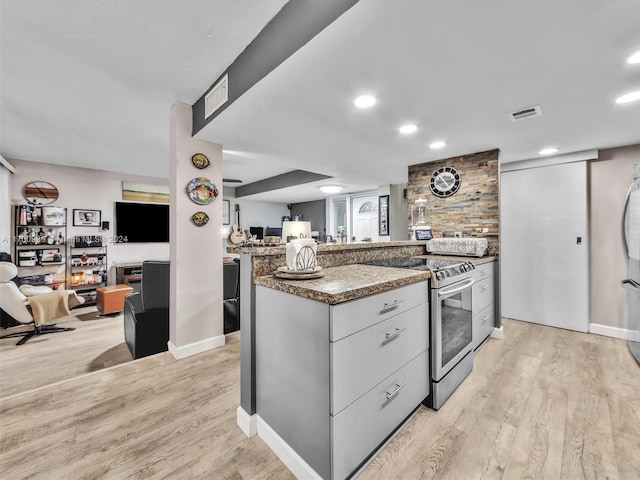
x=364, y=217
x=544, y=248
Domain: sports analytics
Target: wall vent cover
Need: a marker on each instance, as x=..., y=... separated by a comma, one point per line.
x=216, y=97
x=526, y=113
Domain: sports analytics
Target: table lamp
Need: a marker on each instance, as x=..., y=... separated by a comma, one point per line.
x=292, y=230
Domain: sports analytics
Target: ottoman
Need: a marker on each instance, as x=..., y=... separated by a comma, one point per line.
x=111, y=299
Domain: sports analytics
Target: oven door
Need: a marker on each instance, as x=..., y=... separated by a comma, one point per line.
x=451, y=326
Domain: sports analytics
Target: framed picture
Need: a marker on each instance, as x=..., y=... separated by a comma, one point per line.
x=383, y=214
x=226, y=207
x=86, y=218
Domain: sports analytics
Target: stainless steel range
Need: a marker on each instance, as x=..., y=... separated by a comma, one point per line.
x=451, y=321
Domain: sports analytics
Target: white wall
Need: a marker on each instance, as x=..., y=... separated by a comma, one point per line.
x=83, y=188
x=5, y=206
x=610, y=178
x=195, y=307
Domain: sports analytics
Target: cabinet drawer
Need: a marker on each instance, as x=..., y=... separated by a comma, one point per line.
x=361, y=360
x=483, y=294
x=483, y=271
x=361, y=427
x=350, y=317
x=483, y=323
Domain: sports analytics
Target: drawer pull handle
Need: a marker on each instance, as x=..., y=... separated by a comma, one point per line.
x=396, y=333
x=390, y=395
x=484, y=287
x=485, y=318
x=394, y=304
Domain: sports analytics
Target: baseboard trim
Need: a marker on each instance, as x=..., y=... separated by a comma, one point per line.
x=497, y=333
x=247, y=423
x=289, y=457
x=615, y=332
x=195, y=348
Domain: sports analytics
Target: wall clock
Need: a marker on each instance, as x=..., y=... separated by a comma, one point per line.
x=40, y=193
x=445, y=181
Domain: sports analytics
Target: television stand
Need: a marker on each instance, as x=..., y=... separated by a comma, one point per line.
x=129, y=274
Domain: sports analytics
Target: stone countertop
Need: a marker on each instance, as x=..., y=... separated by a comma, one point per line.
x=324, y=247
x=474, y=260
x=345, y=283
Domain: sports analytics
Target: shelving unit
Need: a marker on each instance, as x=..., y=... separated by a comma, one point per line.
x=40, y=245
x=87, y=266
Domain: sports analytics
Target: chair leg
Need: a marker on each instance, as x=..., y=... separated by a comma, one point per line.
x=16, y=334
x=30, y=334
x=41, y=330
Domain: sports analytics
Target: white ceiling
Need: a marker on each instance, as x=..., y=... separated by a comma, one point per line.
x=90, y=83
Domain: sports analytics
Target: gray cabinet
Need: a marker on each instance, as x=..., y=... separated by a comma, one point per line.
x=334, y=381
x=483, y=303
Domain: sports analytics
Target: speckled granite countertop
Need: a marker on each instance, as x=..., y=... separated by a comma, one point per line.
x=324, y=247
x=474, y=260
x=345, y=283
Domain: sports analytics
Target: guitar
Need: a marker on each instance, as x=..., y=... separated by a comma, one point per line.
x=237, y=235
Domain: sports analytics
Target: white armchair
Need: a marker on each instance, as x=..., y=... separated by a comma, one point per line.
x=16, y=303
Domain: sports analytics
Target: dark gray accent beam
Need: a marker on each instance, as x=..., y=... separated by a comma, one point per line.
x=292, y=27
x=289, y=179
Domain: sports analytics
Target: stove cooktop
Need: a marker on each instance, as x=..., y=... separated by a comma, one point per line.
x=444, y=272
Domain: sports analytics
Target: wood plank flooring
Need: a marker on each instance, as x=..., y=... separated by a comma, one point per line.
x=96, y=343
x=542, y=403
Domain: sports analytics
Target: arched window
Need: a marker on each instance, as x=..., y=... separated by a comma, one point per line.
x=368, y=207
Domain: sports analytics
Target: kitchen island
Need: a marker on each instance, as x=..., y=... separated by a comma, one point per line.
x=341, y=362
x=331, y=366
x=337, y=287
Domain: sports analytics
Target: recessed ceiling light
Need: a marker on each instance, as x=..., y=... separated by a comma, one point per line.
x=438, y=144
x=629, y=97
x=365, y=101
x=635, y=58
x=330, y=189
x=548, y=151
x=406, y=129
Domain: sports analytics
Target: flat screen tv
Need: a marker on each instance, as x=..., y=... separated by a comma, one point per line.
x=142, y=222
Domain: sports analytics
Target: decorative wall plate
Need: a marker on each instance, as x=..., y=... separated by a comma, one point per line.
x=200, y=160
x=202, y=191
x=199, y=219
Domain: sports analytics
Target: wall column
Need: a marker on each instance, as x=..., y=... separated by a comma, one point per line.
x=196, y=315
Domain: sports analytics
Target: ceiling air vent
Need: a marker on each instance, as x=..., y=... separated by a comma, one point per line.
x=526, y=113
x=217, y=97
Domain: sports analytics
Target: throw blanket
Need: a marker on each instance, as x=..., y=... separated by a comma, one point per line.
x=49, y=306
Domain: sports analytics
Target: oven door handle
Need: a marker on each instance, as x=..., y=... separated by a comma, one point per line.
x=446, y=293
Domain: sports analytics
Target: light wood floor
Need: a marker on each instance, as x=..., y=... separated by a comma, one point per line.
x=542, y=403
x=97, y=343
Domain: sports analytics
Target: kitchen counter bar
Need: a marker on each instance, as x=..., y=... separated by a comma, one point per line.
x=475, y=260
x=345, y=283
x=257, y=251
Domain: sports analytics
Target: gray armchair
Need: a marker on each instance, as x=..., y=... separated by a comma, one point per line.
x=146, y=313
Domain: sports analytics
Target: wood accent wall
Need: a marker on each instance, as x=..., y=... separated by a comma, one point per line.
x=474, y=205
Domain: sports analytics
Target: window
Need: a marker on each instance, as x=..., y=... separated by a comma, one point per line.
x=368, y=207
x=339, y=214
